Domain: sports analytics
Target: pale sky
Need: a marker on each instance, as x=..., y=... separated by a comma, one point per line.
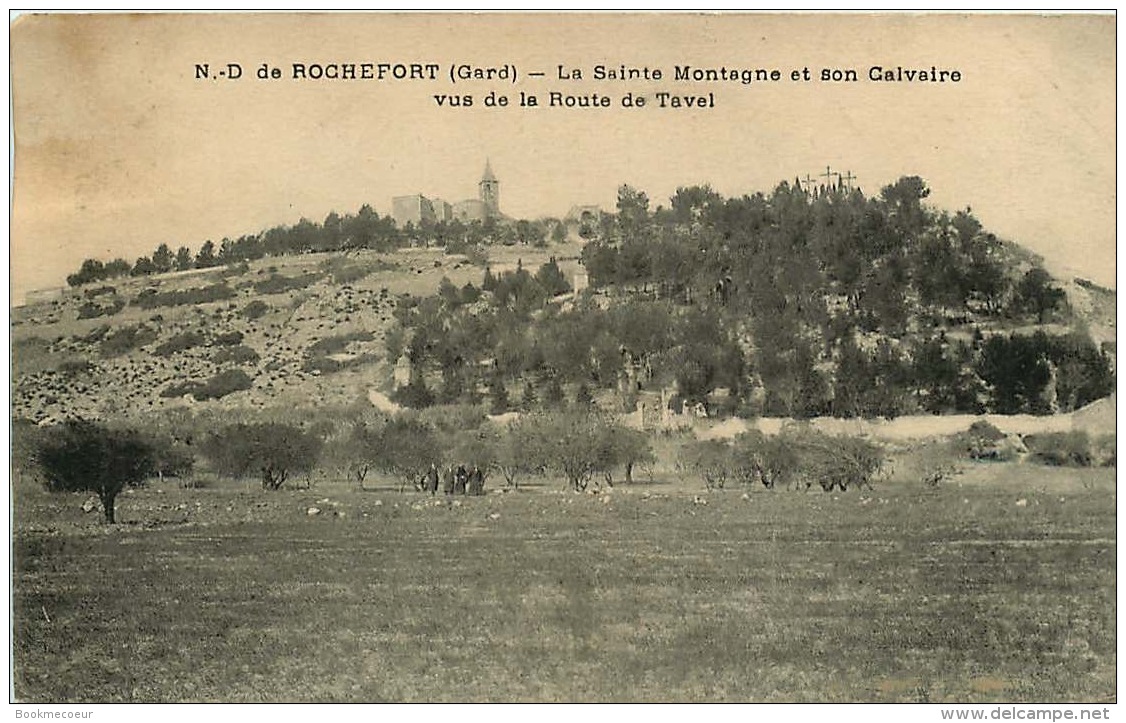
x=120, y=148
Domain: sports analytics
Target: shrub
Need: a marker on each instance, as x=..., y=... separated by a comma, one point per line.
x=229, y=338
x=235, y=269
x=178, y=389
x=151, y=298
x=93, y=337
x=99, y=291
x=91, y=310
x=985, y=431
x=415, y=395
x=278, y=284
x=321, y=351
x=240, y=354
x=327, y=365
x=1106, y=450
x=179, y=343
x=345, y=272
x=75, y=367
x=336, y=344
x=224, y=383
x=126, y=339
x=477, y=256
x=255, y=309
x=983, y=441
x=1061, y=449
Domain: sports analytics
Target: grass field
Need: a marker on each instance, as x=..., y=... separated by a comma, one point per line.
x=999, y=588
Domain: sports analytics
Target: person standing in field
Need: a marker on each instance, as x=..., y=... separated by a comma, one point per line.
x=448, y=481
x=476, y=481
x=460, y=479
x=432, y=479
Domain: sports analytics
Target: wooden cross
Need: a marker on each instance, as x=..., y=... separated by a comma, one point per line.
x=808, y=182
x=828, y=176
x=848, y=178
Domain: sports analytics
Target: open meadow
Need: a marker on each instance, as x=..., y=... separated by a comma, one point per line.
x=996, y=585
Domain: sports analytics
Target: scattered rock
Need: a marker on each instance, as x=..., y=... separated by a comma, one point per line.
x=90, y=504
x=494, y=516
x=379, y=503
x=1022, y=502
x=313, y=511
x=698, y=500
x=745, y=496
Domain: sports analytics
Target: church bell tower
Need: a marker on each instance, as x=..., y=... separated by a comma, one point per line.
x=488, y=191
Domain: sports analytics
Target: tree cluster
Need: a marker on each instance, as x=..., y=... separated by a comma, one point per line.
x=832, y=293
x=795, y=458
x=365, y=229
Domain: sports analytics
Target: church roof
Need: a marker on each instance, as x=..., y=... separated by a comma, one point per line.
x=488, y=173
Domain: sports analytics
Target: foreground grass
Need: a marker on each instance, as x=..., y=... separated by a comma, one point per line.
x=910, y=595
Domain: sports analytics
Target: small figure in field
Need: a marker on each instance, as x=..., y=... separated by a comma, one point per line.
x=448, y=481
x=476, y=481
x=432, y=479
x=460, y=479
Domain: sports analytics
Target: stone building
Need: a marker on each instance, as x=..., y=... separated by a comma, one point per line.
x=412, y=209
x=418, y=208
x=443, y=211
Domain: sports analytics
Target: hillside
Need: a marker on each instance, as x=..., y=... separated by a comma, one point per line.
x=795, y=304
x=118, y=365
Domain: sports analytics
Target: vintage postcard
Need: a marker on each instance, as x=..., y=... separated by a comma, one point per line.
x=564, y=357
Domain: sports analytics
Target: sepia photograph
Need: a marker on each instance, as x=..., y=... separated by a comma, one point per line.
x=624, y=357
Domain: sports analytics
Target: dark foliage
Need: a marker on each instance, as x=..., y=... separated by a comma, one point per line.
x=127, y=339
x=255, y=309
x=278, y=284
x=151, y=298
x=225, y=382
x=272, y=450
x=89, y=456
x=180, y=342
x=1061, y=449
x=240, y=354
x=91, y=310
x=230, y=338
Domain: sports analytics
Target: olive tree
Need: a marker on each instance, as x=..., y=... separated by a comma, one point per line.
x=405, y=448
x=712, y=459
x=90, y=456
x=272, y=449
x=573, y=443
